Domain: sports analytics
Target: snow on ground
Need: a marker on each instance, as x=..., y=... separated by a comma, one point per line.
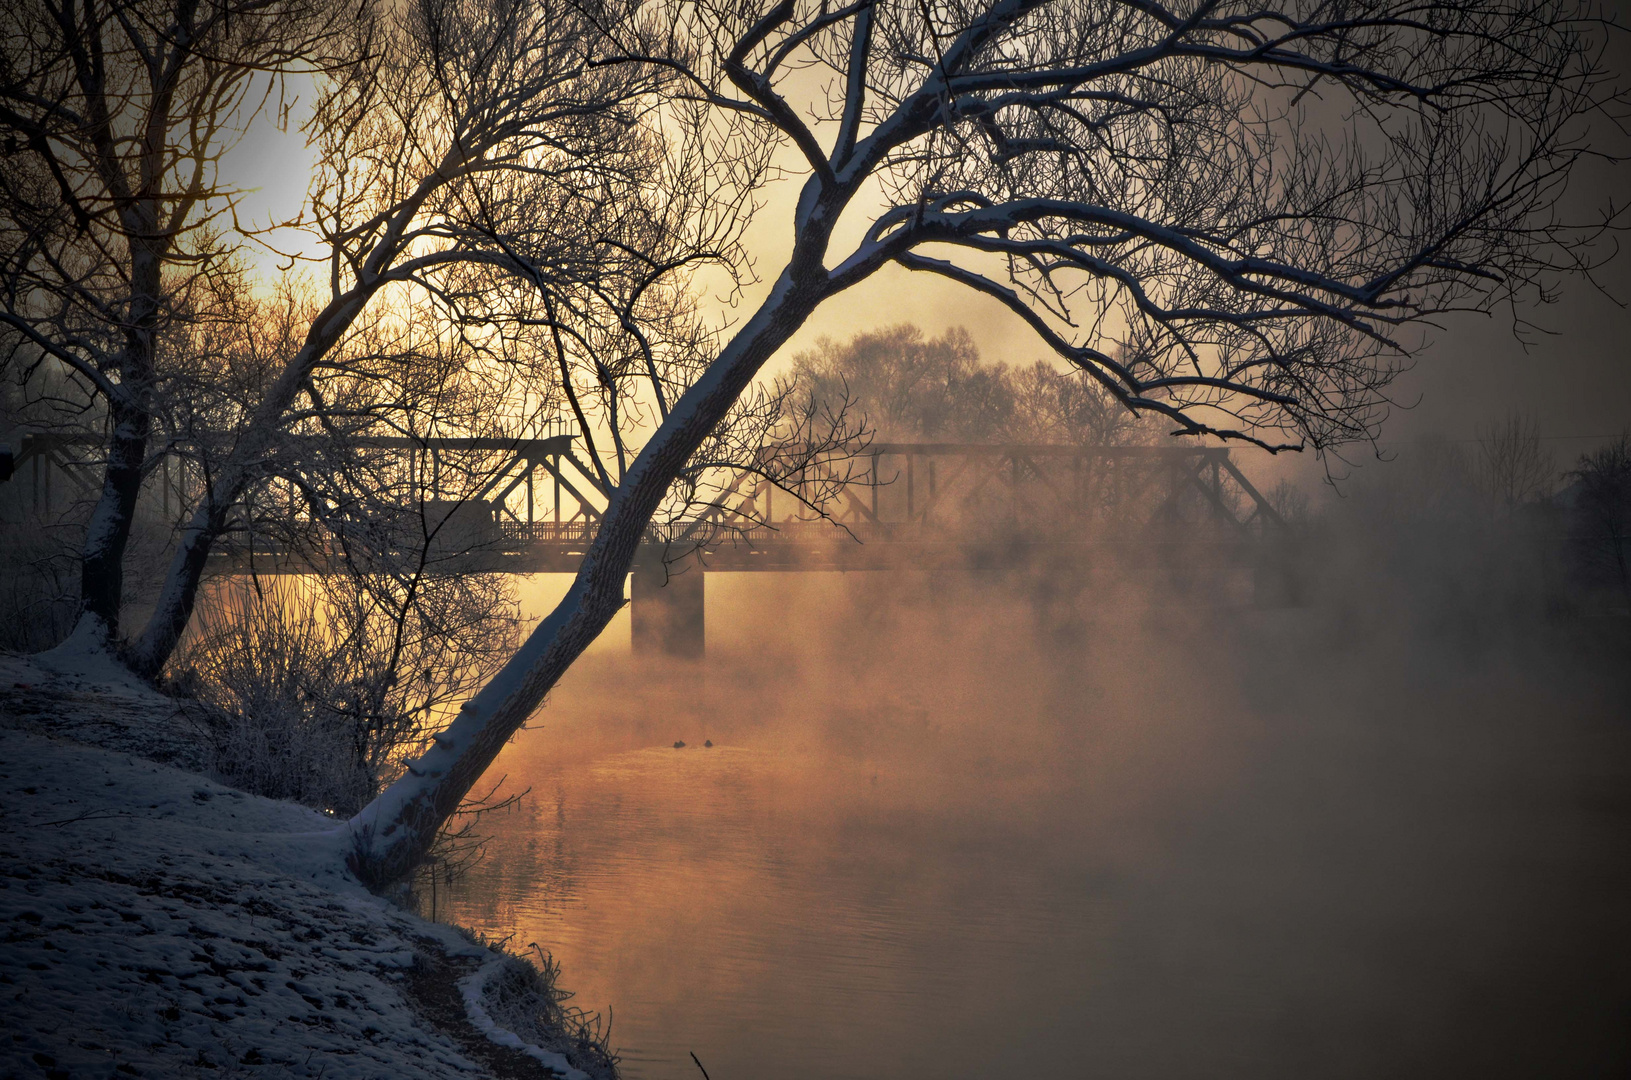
x=155, y=923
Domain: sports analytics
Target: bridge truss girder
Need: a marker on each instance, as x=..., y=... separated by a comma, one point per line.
x=906, y=507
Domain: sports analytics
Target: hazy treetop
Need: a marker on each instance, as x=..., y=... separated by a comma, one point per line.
x=916, y=388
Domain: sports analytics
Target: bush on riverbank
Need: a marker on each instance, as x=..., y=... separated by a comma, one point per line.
x=323, y=686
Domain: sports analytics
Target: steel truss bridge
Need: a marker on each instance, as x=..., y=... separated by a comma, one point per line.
x=917, y=504
x=905, y=505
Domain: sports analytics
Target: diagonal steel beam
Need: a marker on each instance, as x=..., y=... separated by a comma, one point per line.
x=1264, y=509
x=585, y=506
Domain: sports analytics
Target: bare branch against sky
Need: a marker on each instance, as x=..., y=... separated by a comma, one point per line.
x=473, y=171
x=114, y=117
x=1237, y=217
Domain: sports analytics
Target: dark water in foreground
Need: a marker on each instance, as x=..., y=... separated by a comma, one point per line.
x=946, y=838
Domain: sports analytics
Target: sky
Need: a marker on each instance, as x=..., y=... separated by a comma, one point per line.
x=1573, y=376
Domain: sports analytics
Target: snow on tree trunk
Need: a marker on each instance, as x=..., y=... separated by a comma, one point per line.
x=130, y=419
x=101, y=586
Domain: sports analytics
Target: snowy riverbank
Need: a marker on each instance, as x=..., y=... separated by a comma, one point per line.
x=156, y=923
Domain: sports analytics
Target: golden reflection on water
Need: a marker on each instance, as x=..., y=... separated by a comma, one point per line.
x=961, y=841
x=722, y=899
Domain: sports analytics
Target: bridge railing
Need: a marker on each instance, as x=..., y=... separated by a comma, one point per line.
x=509, y=534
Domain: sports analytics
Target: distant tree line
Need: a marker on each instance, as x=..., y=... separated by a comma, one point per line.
x=909, y=387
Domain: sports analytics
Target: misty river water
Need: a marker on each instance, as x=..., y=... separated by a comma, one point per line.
x=943, y=832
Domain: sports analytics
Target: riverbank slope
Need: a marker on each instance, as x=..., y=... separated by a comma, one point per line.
x=157, y=923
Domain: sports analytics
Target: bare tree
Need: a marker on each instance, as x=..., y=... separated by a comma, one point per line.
x=909, y=386
x=479, y=162
x=938, y=389
x=1602, y=512
x=1514, y=468
x=1229, y=215
x=114, y=115
x=325, y=678
x=779, y=437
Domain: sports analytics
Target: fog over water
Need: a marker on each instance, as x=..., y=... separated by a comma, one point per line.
x=1008, y=825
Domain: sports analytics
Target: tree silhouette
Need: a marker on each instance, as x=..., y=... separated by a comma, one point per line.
x=114, y=115
x=1230, y=215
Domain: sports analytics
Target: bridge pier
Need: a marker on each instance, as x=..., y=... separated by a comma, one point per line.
x=666, y=612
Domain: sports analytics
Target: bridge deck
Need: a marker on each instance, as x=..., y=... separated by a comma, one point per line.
x=551, y=547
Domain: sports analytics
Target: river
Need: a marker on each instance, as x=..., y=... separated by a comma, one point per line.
x=940, y=835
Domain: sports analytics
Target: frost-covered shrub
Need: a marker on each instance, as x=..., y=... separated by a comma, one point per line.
x=526, y=998
x=281, y=727
x=324, y=685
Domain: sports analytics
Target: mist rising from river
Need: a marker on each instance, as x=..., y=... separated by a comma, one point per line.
x=991, y=825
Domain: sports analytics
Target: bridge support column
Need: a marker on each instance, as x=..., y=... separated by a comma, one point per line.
x=666, y=613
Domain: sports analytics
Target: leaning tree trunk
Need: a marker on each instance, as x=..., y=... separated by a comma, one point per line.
x=179, y=593
x=393, y=833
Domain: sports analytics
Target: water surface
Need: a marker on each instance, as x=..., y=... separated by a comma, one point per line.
x=945, y=836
